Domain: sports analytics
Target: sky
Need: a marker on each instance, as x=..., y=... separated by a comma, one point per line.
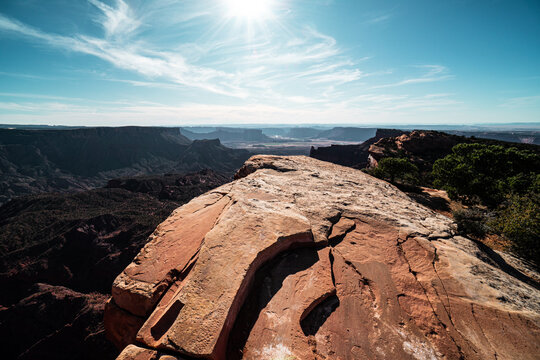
x=208, y=62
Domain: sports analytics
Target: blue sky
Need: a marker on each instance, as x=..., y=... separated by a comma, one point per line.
x=174, y=62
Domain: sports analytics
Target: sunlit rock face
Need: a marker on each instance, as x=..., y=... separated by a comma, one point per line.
x=303, y=259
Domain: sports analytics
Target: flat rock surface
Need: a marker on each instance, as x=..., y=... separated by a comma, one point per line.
x=303, y=259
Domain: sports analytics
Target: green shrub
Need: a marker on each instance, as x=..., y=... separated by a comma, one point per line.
x=482, y=173
x=393, y=169
x=471, y=222
x=519, y=222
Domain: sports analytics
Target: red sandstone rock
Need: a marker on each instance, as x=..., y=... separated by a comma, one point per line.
x=248, y=234
x=121, y=326
x=422, y=147
x=138, y=288
x=342, y=227
x=378, y=275
x=132, y=352
x=278, y=332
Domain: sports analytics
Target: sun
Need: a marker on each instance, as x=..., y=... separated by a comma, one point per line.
x=249, y=9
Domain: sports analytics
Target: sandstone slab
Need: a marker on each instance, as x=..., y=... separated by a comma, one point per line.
x=132, y=352
x=206, y=306
x=299, y=258
x=121, y=326
x=138, y=288
x=294, y=286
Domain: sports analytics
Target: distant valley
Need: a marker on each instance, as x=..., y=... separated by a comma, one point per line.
x=38, y=161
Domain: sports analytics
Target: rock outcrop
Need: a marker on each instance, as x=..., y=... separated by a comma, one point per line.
x=303, y=259
x=423, y=147
x=356, y=156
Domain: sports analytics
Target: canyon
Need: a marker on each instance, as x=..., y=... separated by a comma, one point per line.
x=60, y=252
x=70, y=160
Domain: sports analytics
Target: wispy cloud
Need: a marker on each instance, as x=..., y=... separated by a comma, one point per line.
x=299, y=109
x=134, y=57
x=339, y=77
x=117, y=21
x=432, y=73
x=120, y=24
x=266, y=62
x=393, y=102
x=64, y=99
x=294, y=72
x=26, y=76
x=521, y=102
x=378, y=19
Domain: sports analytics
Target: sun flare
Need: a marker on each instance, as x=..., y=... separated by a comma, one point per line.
x=249, y=9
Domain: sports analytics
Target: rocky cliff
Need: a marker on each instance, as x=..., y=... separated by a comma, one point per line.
x=356, y=156
x=227, y=135
x=303, y=259
x=424, y=147
x=421, y=147
x=39, y=161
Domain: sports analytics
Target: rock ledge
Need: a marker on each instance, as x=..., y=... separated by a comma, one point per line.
x=302, y=259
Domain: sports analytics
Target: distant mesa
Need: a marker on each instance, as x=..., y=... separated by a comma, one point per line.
x=356, y=156
x=421, y=147
x=37, y=161
x=230, y=134
x=348, y=134
x=227, y=135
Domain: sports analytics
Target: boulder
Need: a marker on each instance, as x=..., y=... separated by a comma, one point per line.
x=303, y=259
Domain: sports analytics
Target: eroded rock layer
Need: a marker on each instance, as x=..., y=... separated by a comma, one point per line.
x=302, y=259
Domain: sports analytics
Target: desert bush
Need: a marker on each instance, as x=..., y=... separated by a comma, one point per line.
x=519, y=222
x=476, y=173
x=393, y=169
x=471, y=222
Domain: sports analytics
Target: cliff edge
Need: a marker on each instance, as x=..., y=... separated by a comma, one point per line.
x=304, y=259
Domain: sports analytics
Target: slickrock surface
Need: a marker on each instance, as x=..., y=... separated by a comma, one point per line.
x=303, y=259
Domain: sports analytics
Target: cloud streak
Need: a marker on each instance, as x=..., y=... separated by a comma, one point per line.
x=521, y=102
x=132, y=56
x=379, y=19
x=117, y=21
x=207, y=64
x=432, y=73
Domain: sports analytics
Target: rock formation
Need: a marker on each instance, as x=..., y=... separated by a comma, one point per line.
x=424, y=147
x=226, y=135
x=303, y=259
x=351, y=155
x=40, y=161
x=419, y=146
